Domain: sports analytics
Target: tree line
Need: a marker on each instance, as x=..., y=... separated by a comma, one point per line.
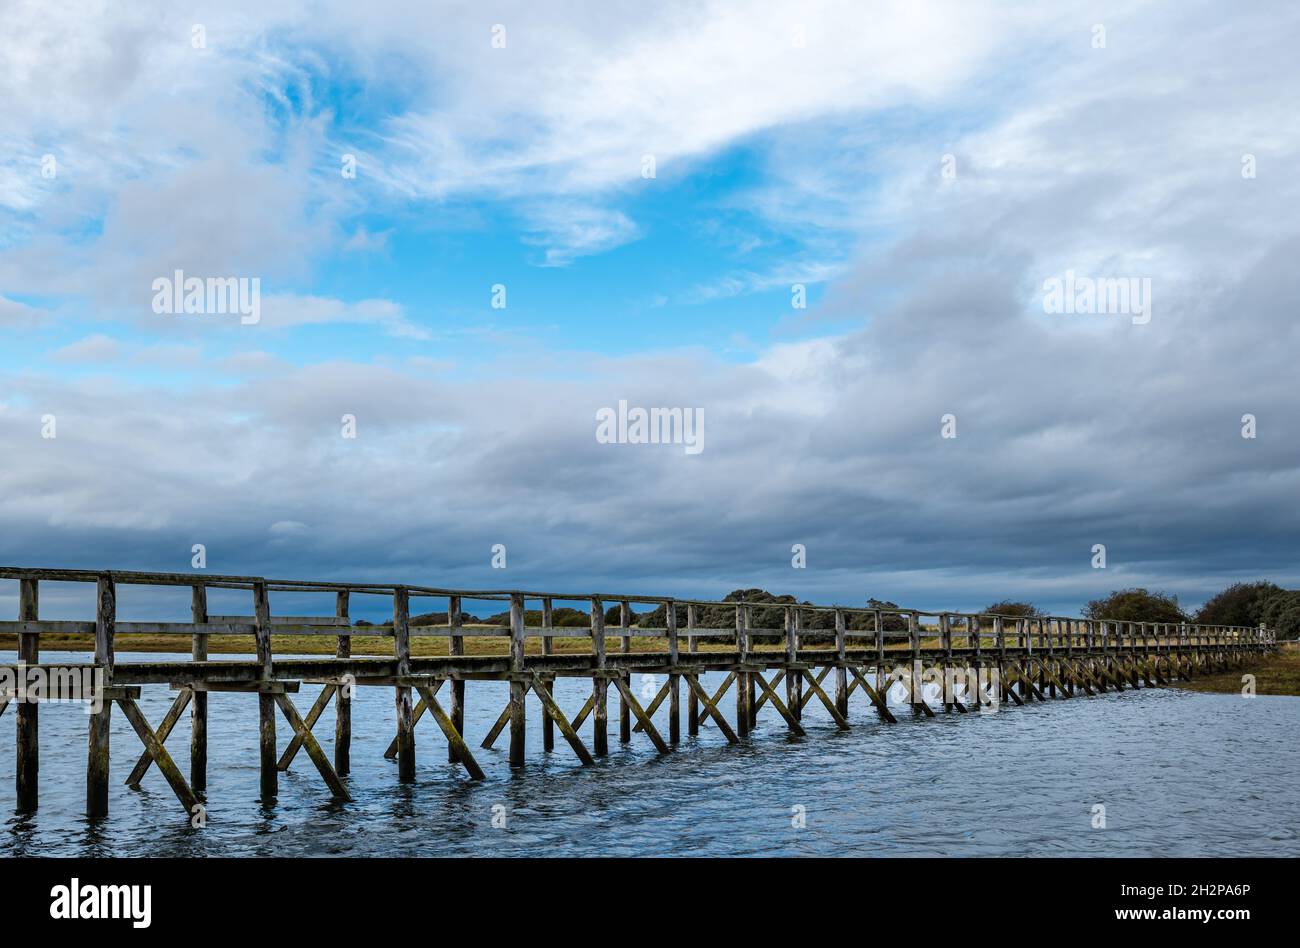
x=1243, y=604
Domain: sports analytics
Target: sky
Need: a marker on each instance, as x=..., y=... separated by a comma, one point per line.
x=652, y=190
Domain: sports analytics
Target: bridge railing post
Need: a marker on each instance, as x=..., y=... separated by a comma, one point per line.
x=27, y=777
x=600, y=685
x=548, y=648
x=97, y=761
x=342, y=692
x=914, y=644
x=518, y=719
x=625, y=646
x=674, y=679
x=402, y=693
x=456, y=647
x=692, y=646
x=199, y=699
x=742, y=678
x=841, y=673
x=793, y=680
x=269, y=772
x=879, y=618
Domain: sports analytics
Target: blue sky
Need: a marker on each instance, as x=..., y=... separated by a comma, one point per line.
x=793, y=144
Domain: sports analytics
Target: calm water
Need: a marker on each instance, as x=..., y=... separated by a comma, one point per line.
x=1178, y=774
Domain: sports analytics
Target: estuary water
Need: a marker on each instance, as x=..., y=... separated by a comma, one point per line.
x=1177, y=773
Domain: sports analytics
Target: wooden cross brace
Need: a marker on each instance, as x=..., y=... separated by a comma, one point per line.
x=642, y=718
x=155, y=751
x=569, y=731
x=711, y=707
x=429, y=702
x=653, y=706
x=1028, y=681
x=302, y=738
x=816, y=687
x=308, y=741
x=313, y=715
x=717, y=695
x=164, y=729
x=877, y=700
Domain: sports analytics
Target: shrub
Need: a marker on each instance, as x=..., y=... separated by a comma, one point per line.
x=1136, y=605
x=1281, y=613
x=1008, y=608
x=1239, y=604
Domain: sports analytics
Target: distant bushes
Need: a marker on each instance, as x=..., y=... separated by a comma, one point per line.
x=1136, y=605
x=1254, y=604
x=768, y=612
x=1281, y=613
x=1022, y=609
x=1239, y=604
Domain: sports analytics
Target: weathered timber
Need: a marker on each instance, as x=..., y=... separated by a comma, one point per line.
x=1049, y=658
x=97, y=758
x=199, y=700
x=518, y=687
x=27, y=749
x=405, y=719
x=270, y=782
x=343, y=693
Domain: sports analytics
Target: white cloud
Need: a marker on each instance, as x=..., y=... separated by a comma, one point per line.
x=14, y=314
x=283, y=310
x=96, y=349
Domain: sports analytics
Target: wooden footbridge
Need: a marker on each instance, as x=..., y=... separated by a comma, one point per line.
x=976, y=663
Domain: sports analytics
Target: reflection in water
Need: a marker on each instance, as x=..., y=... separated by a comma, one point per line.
x=1178, y=773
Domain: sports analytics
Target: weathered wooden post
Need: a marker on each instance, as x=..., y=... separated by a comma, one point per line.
x=1000, y=643
x=599, y=683
x=199, y=699
x=914, y=641
x=751, y=687
x=674, y=679
x=455, y=646
x=625, y=646
x=343, y=691
x=791, y=657
x=1026, y=683
x=1094, y=649
x=742, y=678
x=265, y=699
x=98, y=751
x=880, y=651
x=405, y=714
x=945, y=640
x=548, y=646
x=692, y=646
x=518, y=719
x=28, y=742
x=1064, y=670
x=841, y=672
x=1051, y=629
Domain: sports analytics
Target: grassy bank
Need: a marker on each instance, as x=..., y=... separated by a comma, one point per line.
x=1276, y=674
